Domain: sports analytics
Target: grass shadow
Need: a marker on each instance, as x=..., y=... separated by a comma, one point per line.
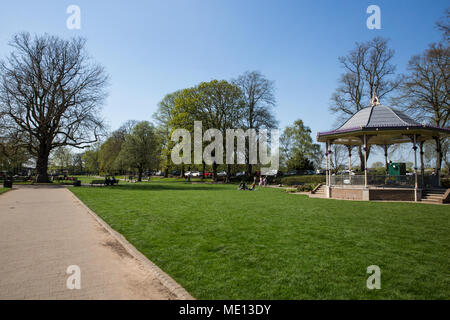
x=169, y=186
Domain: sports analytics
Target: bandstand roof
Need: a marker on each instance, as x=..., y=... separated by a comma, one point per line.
x=382, y=125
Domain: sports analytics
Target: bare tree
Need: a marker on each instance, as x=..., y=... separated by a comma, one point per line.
x=368, y=70
x=443, y=25
x=426, y=90
x=51, y=91
x=259, y=99
x=338, y=158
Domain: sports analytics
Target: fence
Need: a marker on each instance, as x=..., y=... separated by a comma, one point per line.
x=406, y=181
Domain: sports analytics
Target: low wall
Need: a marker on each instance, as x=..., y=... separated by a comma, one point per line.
x=372, y=194
x=391, y=194
x=346, y=193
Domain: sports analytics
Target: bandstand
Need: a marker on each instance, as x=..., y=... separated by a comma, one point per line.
x=383, y=126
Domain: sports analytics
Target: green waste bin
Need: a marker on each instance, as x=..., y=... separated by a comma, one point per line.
x=397, y=169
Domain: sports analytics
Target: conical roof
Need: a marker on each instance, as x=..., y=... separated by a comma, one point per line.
x=378, y=116
x=385, y=125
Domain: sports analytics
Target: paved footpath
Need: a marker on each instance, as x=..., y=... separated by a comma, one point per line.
x=44, y=230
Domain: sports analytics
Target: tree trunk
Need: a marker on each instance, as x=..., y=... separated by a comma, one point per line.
x=214, y=167
x=182, y=171
x=140, y=175
x=42, y=165
x=166, y=172
x=228, y=173
x=203, y=170
x=249, y=169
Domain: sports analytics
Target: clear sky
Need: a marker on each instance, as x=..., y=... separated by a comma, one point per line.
x=151, y=48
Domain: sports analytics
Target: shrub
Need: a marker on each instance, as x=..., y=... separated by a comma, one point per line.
x=301, y=180
x=306, y=187
x=289, y=190
x=445, y=182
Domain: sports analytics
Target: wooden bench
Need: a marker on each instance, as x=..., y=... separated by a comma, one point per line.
x=104, y=182
x=97, y=182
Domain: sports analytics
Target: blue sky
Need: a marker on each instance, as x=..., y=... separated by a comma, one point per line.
x=151, y=48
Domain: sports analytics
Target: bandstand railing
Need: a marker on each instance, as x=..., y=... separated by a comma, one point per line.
x=403, y=181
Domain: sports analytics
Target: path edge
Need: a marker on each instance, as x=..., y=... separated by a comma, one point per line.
x=174, y=287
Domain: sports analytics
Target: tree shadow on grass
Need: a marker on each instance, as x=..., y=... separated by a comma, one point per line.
x=169, y=186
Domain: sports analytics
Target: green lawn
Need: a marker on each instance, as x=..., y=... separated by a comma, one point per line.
x=3, y=190
x=220, y=243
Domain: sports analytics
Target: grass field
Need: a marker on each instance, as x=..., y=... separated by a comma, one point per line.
x=3, y=190
x=220, y=243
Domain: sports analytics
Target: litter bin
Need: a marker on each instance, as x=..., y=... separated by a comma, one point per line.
x=7, y=183
x=77, y=183
x=397, y=169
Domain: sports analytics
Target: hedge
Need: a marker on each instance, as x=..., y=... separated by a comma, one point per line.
x=306, y=187
x=445, y=182
x=301, y=180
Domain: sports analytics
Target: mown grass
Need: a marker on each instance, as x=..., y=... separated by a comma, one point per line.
x=3, y=190
x=220, y=243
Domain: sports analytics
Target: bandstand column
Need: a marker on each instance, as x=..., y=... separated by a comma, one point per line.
x=349, y=163
x=326, y=171
x=385, y=158
x=365, y=161
x=329, y=159
x=415, y=168
x=349, y=158
x=422, y=169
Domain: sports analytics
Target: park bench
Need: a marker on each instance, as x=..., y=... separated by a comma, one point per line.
x=97, y=182
x=103, y=182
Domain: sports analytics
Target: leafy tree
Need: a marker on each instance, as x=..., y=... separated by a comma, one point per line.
x=140, y=148
x=218, y=104
x=109, y=153
x=163, y=118
x=12, y=155
x=90, y=159
x=297, y=147
x=62, y=158
x=221, y=107
x=51, y=91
